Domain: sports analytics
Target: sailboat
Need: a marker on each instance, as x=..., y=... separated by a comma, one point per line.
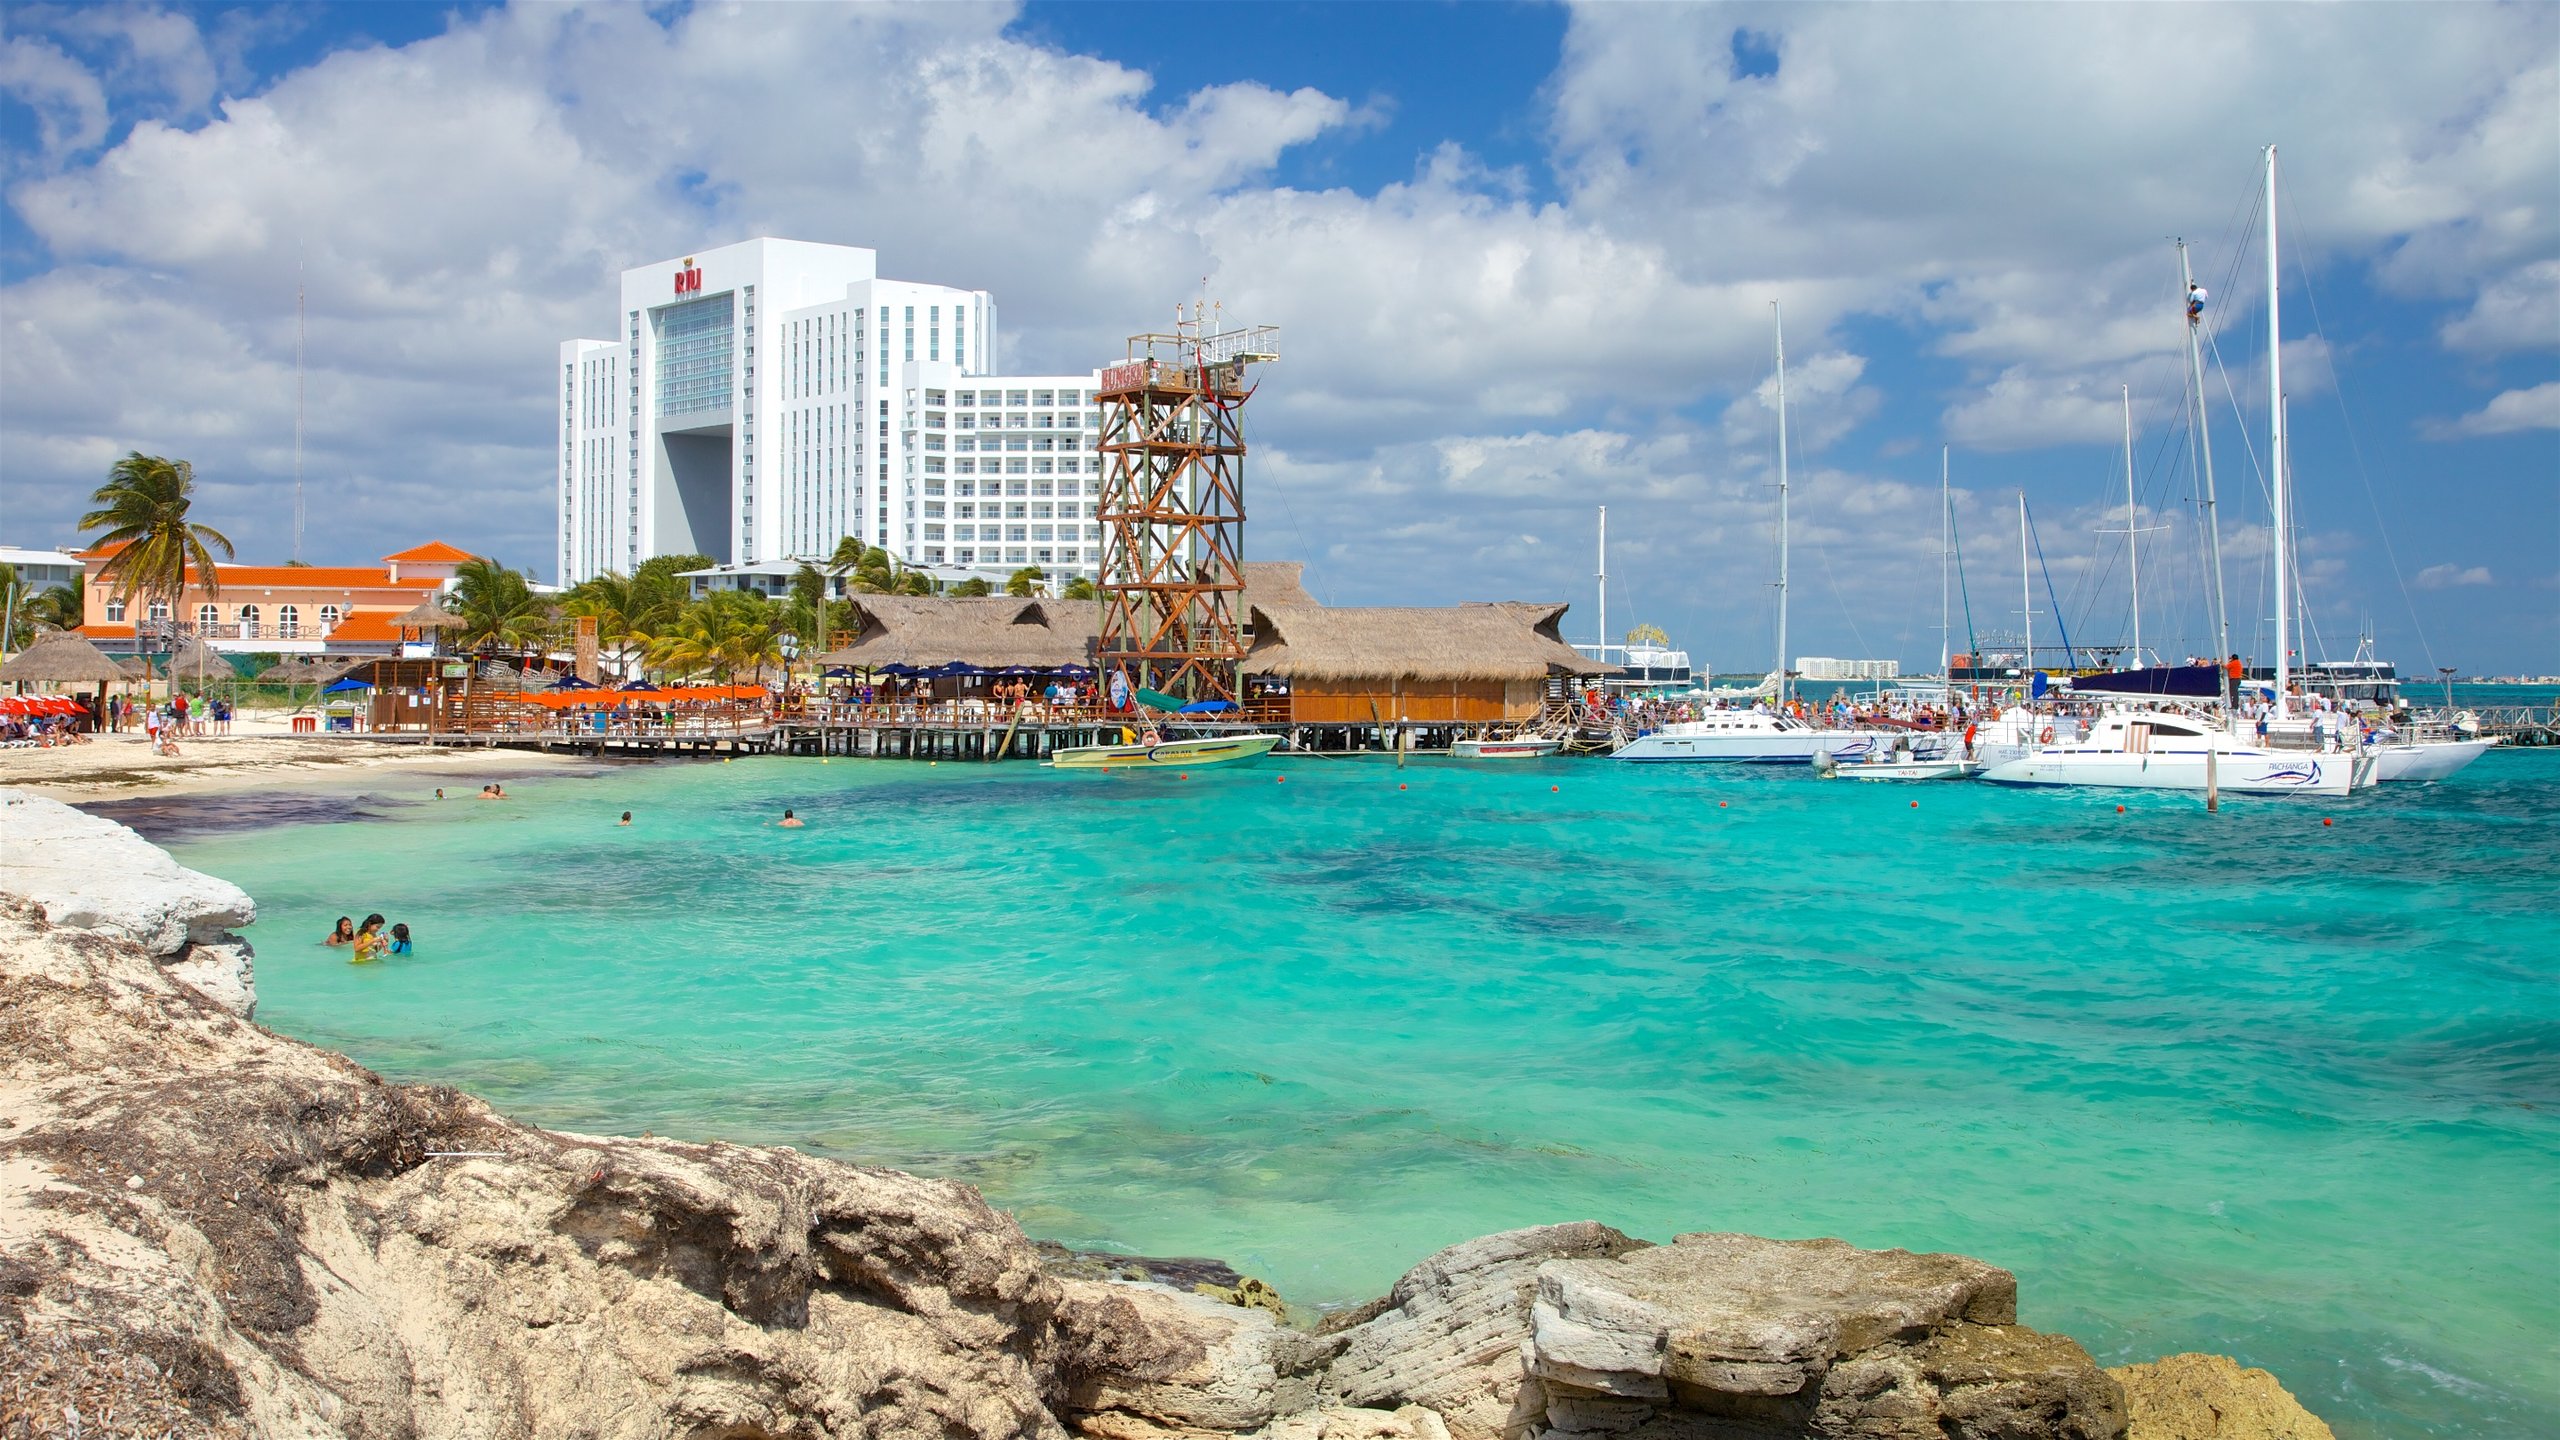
x=2166, y=750
x=1751, y=736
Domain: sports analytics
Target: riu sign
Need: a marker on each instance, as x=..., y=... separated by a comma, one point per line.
x=689, y=280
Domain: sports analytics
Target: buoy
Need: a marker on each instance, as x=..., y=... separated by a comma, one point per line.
x=1400, y=787
x=2325, y=820
x=1282, y=780
x=1720, y=804
x=1915, y=804
x=1555, y=789
x=2119, y=809
x=1186, y=776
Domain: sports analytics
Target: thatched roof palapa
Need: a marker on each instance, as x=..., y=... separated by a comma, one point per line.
x=427, y=614
x=62, y=658
x=196, y=659
x=1274, y=582
x=993, y=632
x=1497, y=642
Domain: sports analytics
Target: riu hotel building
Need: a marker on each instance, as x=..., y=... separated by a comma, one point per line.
x=766, y=399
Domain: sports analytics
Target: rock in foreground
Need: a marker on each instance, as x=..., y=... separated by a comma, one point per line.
x=2210, y=1397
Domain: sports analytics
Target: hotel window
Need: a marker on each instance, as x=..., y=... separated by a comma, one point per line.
x=248, y=621
x=933, y=333
x=159, y=610
x=960, y=335
x=288, y=622
x=1043, y=397
x=207, y=617
x=115, y=611
x=1017, y=397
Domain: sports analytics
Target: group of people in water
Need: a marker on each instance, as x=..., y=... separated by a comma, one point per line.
x=368, y=940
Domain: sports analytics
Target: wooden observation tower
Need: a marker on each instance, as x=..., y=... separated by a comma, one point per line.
x=1173, y=506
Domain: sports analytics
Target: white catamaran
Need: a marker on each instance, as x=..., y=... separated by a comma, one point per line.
x=2168, y=750
x=1747, y=736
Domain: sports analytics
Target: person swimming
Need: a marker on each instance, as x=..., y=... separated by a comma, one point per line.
x=371, y=943
x=790, y=821
x=399, y=940
x=626, y=817
x=343, y=933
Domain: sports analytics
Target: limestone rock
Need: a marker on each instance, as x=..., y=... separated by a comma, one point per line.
x=1742, y=1337
x=1148, y=1359
x=2210, y=1397
x=93, y=874
x=223, y=971
x=1449, y=1335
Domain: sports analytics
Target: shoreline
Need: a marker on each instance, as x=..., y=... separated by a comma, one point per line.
x=175, y=1181
x=122, y=767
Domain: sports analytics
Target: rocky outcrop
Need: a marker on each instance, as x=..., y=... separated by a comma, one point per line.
x=90, y=874
x=209, y=1229
x=2210, y=1397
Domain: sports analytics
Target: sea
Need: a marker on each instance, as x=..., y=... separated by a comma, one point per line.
x=2281, y=1082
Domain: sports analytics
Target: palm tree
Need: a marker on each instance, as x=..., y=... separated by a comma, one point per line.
x=1026, y=581
x=807, y=608
x=973, y=586
x=497, y=606
x=1079, y=588
x=143, y=510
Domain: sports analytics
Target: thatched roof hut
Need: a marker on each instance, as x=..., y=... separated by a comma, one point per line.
x=62, y=658
x=1274, y=582
x=994, y=632
x=427, y=614
x=1506, y=641
x=196, y=660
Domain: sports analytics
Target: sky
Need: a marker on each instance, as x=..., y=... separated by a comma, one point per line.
x=1526, y=261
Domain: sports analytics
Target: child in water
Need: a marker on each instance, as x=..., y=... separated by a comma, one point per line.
x=399, y=940
x=371, y=944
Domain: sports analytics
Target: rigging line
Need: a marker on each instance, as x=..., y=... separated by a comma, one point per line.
x=2070, y=656
x=2338, y=392
x=1971, y=647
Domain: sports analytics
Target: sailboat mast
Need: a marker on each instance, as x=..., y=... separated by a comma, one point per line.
x=2026, y=598
x=2275, y=449
x=1946, y=542
x=1604, y=585
x=2132, y=536
x=1779, y=320
x=2200, y=444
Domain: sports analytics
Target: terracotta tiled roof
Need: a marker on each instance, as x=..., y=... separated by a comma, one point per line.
x=101, y=632
x=313, y=577
x=434, y=552
x=366, y=626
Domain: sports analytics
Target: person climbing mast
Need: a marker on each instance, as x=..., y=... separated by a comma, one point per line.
x=2195, y=302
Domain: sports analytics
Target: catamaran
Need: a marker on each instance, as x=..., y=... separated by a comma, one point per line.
x=2167, y=750
x=1745, y=736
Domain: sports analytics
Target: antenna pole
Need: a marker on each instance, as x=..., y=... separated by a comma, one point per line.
x=298, y=334
x=1604, y=585
x=1779, y=319
x=2275, y=448
x=2200, y=447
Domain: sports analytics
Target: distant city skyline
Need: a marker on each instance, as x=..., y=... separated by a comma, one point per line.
x=1528, y=278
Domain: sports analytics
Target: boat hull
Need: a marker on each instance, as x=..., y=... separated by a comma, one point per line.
x=1503, y=749
x=1781, y=748
x=1234, y=750
x=1909, y=770
x=2241, y=772
x=2428, y=760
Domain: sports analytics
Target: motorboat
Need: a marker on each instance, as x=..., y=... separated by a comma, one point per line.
x=1519, y=747
x=1750, y=737
x=2164, y=750
x=2422, y=760
x=1911, y=770
x=1187, y=754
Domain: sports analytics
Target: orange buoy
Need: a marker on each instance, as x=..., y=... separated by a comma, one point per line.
x=1915, y=804
x=2325, y=820
x=1720, y=804
x=1400, y=787
x=1555, y=789
x=2119, y=809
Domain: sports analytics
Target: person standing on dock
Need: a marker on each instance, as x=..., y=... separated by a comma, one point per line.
x=2232, y=674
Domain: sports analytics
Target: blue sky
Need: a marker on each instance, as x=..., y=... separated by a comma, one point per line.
x=1521, y=256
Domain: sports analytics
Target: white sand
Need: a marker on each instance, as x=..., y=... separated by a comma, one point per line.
x=260, y=754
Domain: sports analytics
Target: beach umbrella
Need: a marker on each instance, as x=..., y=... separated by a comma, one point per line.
x=572, y=682
x=350, y=683
x=640, y=687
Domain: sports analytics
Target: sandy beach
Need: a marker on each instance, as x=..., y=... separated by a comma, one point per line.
x=259, y=757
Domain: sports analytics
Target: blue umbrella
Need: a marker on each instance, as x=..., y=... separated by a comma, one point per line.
x=572, y=682
x=900, y=671
x=350, y=683
x=1207, y=707
x=640, y=687
x=841, y=672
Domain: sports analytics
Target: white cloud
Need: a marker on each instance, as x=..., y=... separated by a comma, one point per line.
x=2537, y=408
x=2024, y=408
x=2520, y=311
x=70, y=104
x=2447, y=577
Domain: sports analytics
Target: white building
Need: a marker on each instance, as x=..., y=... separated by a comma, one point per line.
x=766, y=399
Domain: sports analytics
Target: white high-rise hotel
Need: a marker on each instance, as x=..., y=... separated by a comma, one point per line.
x=766, y=399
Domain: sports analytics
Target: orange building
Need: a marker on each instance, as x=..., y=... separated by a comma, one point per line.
x=279, y=609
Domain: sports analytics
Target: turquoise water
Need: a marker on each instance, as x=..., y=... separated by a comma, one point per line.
x=2243, y=1083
